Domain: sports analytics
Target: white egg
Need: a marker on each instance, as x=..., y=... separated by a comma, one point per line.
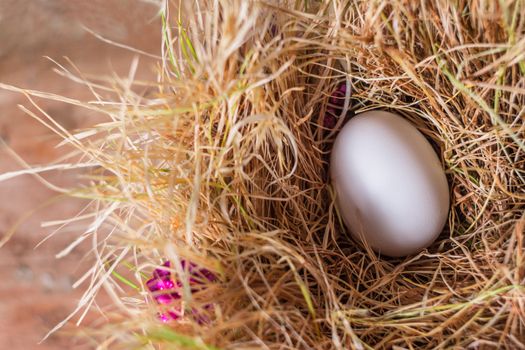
x=391, y=190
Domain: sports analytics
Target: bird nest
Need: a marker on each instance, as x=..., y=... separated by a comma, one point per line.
x=214, y=219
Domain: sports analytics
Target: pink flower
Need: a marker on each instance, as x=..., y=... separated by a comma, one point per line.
x=166, y=290
x=162, y=286
x=338, y=96
x=335, y=106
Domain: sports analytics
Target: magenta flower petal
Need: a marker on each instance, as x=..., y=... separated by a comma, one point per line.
x=163, y=273
x=156, y=285
x=201, y=275
x=210, y=276
x=169, y=316
x=198, y=274
x=164, y=318
x=166, y=298
x=174, y=315
x=165, y=289
x=329, y=119
x=161, y=281
x=335, y=106
x=338, y=96
x=200, y=318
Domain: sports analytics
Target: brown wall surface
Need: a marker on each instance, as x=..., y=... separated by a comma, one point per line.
x=35, y=287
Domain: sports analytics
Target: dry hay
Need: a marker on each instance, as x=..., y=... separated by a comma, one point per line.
x=223, y=162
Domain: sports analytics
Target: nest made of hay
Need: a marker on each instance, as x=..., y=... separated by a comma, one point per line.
x=223, y=161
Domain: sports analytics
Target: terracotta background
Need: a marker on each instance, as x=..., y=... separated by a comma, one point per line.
x=35, y=287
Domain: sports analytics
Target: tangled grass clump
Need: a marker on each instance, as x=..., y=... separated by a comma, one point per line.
x=224, y=164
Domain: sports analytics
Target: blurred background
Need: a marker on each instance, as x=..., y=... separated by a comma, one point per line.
x=36, y=288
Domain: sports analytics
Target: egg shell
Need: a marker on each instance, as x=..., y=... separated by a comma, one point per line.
x=390, y=187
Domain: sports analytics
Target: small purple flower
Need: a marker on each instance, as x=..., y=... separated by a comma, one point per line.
x=338, y=96
x=162, y=286
x=198, y=275
x=165, y=289
x=169, y=316
x=330, y=120
x=335, y=107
